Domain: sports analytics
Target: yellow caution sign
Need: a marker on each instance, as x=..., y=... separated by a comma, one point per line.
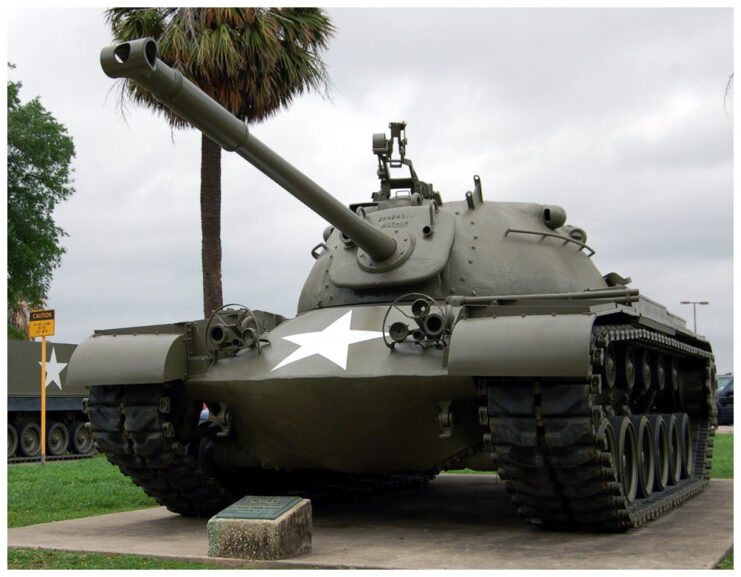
x=41, y=324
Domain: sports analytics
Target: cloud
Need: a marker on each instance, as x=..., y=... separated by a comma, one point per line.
x=615, y=114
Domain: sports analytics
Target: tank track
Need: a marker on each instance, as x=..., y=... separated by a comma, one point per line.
x=551, y=453
x=133, y=427
x=148, y=431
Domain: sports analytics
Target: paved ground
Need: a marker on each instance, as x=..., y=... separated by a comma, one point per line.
x=460, y=521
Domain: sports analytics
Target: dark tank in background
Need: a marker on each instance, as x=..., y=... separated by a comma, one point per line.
x=430, y=335
x=67, y=428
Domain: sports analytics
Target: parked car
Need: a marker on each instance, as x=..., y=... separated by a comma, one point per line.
x=725, y=399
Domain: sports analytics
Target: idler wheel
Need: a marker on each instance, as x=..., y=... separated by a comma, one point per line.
x=57, y=439
x=30, y=440
x=627, y=370
x=644, y=369
x=674, y=439
x=627, y=456
x=685, y=433
x=646, y=455
x=661, y=448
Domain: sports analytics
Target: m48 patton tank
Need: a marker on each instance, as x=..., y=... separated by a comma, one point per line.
x=429, y=336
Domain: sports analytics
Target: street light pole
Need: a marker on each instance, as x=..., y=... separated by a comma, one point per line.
x=694, y=310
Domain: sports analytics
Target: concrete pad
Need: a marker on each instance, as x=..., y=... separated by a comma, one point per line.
x=459, y=522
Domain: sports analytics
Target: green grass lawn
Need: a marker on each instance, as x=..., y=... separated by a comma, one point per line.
x=723, y=457
x=45, y=559
x=69, y=490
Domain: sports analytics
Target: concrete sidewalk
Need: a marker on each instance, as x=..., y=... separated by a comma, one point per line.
x=459, y=522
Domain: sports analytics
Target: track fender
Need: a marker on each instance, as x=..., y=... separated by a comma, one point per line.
x=130, y=359
x=522, y=346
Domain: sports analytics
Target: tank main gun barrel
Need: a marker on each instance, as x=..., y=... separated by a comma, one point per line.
x=138, y=61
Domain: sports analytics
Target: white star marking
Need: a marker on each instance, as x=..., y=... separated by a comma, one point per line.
x=54, y=370
x=333, y=342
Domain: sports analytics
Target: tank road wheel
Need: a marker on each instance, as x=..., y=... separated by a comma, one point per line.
x=627, y=370
x=661, y=451
x=81, y=441
x=30, y=440
x=687, y=448
x=609, y=367
x=659, y=372
x=57, y=439
x=12, y=440
x=674, y=439
x=673, y=370
x=646, y=455
x=627, y=456
x=643, y=372
x=607, y=444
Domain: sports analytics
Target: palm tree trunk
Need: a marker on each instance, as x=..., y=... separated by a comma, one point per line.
x=211, y=224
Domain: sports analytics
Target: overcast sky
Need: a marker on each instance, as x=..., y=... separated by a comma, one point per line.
x=615, y=114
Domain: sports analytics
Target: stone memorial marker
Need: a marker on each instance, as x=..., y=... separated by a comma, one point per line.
x=261, y=528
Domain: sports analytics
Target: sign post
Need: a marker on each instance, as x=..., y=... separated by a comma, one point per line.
x=41, y=324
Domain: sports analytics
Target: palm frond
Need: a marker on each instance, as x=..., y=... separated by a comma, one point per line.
x=252, y=60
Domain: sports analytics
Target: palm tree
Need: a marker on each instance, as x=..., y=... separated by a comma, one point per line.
x=18, y=323
x=253, y=61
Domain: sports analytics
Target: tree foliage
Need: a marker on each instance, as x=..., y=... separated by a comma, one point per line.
x=39, y=177
x=253, y=61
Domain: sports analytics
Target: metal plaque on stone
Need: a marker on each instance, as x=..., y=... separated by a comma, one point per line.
x=261, y=528
x=257, y=507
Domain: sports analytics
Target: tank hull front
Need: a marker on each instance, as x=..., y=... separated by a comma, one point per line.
x=327, y=393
